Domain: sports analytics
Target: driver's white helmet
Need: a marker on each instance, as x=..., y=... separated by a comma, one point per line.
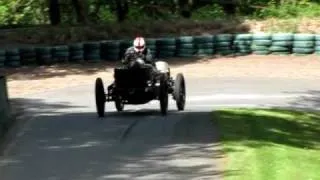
x=139, y=44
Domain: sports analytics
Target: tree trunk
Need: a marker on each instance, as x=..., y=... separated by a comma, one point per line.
x=81, y=11
x=122, y=9
x=184, y=7
x=229, y=9
x=54, y=12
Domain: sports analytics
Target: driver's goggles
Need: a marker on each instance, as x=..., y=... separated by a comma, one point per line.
x=139, y=47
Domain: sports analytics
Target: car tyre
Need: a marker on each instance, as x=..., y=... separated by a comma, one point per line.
x=180, y=92
x=100, y=97
x=119, y=104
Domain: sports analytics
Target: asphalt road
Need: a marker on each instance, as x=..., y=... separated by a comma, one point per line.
x=66, y=141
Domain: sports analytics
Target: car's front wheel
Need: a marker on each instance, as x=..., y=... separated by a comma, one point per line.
x=180, y=92
x=100, y=97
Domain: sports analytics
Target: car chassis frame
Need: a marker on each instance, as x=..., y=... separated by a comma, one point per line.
x=137, y=86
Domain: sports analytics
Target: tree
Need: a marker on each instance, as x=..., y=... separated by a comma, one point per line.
x=81, y=11
x=184, y=7
x=122, y=9
x=54, y=12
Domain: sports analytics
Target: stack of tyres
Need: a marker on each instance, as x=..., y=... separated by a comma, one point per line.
x=124, y=45
x=281, y=43
x=224, y=44
x=92, y=51
x=28, y=56
x=242, y=44
x=76, y=53
x=303, y=44
x=166, y=47
x=44, y=56
x=152, y=45
x=204, y=45
x=317, y=42
x=185, y=46
x=12, y=58
x=60, y=53
x=261, y=43
x=2, y=57
x=110, y=50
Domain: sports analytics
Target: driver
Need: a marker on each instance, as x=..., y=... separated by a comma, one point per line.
x=138, y=49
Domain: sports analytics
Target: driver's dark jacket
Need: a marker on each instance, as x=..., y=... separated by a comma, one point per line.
x=145, y=55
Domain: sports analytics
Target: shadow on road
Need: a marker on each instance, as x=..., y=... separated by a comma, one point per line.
x=310, y=101
x=78, y=145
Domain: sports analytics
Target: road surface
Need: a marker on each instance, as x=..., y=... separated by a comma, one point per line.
x=66, y=141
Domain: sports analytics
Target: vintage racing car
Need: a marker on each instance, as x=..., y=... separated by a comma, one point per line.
x=139, y=83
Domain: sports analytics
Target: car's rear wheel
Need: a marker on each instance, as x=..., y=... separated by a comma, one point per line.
x=163, y=94
x=180, y=92
x=119, y=104
x=100, y=97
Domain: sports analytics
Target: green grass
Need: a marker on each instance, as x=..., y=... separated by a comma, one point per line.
x=270, y=143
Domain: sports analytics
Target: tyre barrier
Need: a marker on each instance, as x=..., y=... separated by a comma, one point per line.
x=12, y=58
x=43, y=55
x=242, y=44
x=2, y=58
x=152, y=45
x=92, y=51
x=317, y=44
x=261, y=42
x=204, y=45
x=60, y=54
x=303, y=44
x=76, y=52
x=223, y=44
x=110, y=50
x=28, y=56
x=184, y=46
x=281, y=43
x=166, y=47
x=4, y=106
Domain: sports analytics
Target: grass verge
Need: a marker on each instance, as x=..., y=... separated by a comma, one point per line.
x=270, y=143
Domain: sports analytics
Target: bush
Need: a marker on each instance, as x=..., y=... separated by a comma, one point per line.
x=290, y=10
x=213, y=11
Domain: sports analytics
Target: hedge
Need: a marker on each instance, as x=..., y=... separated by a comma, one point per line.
x=184, y=46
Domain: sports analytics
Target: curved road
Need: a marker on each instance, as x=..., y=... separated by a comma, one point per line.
x=66, y=141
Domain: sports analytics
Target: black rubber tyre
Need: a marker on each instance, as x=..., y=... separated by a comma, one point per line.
x=119, y=104
x=180, y=92
x=163, y=95
x=100, y=97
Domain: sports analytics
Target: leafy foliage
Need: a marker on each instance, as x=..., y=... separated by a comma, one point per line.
x=290, y=10
x=35, y=12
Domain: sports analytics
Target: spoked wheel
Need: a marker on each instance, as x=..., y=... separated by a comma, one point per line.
x=119, y=104
x=100, y=97
x=180, y=92
x=163, y=96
